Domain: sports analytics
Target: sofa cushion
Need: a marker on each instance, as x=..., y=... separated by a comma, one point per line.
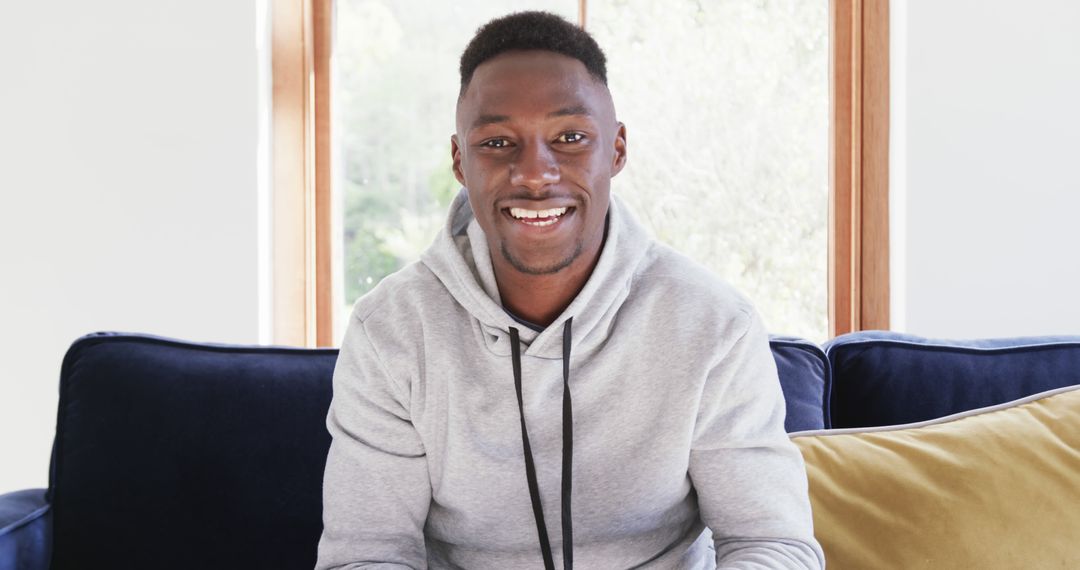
x=804, y=379
x=883, y=378
x=25, y=520
x=993, y=488
x=171, y=454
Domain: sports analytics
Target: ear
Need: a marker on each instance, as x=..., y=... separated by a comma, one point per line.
x=455, y=154
x=619, y=159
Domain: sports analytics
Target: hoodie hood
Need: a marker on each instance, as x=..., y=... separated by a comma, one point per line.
x=461, y=260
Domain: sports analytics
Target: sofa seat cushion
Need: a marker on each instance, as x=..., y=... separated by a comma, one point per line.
x=884, y=378
x=992, y=488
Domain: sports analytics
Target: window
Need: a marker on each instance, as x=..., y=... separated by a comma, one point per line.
x=758, y=154
x=727, y=113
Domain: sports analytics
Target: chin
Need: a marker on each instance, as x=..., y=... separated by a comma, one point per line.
x=548, y=266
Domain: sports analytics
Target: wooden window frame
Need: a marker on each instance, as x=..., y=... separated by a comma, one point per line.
x=858, y=166
x=303, y=304
x=302, y=220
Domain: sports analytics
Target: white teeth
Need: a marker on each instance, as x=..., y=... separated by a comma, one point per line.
x=522, y=213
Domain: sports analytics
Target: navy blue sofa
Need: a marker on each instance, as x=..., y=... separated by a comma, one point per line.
x=173, y=454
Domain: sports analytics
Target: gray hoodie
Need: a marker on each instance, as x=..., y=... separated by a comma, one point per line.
x=677, y=420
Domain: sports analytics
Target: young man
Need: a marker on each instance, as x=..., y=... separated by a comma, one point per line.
x=547, y=385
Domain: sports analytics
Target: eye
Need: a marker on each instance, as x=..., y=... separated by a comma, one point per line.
x=495, y=143
x=571, y=137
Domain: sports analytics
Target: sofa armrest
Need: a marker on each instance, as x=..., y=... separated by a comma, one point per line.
x=25, y=530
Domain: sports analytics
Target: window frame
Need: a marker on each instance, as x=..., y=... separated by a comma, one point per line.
x=302, y=219
x=303, y=224
x=858, y=166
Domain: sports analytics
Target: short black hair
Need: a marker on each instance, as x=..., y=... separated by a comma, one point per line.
x=528, y=31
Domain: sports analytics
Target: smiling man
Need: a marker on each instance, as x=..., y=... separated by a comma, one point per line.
x=548, y=385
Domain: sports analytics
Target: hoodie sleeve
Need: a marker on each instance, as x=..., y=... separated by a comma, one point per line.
x=376, y=490
x=750, y=478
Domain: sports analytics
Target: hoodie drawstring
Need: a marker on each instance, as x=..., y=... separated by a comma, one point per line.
x=567, y=455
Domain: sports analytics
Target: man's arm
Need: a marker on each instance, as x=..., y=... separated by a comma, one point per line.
x=750, y=478
x=376, y=490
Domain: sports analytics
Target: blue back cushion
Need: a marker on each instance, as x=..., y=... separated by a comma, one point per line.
x=805, y=380
x=179, y=455
x=883, y=378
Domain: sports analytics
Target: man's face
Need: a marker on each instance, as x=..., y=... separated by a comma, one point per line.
x=537, y=135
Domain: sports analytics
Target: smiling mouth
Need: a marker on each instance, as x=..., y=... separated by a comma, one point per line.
x=538, y=218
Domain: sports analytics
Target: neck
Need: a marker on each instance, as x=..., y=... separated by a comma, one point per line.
x=541, y=299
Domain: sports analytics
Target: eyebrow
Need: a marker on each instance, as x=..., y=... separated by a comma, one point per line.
x=489, y=120
x=569, y=111
x=484, y=120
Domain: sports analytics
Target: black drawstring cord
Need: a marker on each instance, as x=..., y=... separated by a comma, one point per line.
x=567, y=459
x=567, y=451
x=530, y=468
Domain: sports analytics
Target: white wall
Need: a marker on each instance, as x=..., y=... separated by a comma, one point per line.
x=128, y=201
x=986, y=188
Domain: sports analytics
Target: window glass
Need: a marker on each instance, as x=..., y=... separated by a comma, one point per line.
x=726, y=106
x=395, y=88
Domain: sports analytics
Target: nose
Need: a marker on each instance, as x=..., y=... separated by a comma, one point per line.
x=534, y=167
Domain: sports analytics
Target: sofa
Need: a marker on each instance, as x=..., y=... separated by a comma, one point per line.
x=177, y=454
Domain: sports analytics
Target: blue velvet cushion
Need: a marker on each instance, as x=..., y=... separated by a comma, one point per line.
x=884, y=378
x=171, y=454
x=25, y=519
x=805, y=381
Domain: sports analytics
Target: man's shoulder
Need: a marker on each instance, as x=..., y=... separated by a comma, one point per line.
x=688, y=286
x=400, y=295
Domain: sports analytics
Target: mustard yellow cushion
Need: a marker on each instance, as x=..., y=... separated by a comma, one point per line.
x=997, y=488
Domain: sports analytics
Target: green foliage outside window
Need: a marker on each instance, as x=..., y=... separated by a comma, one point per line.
x=726, y=107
